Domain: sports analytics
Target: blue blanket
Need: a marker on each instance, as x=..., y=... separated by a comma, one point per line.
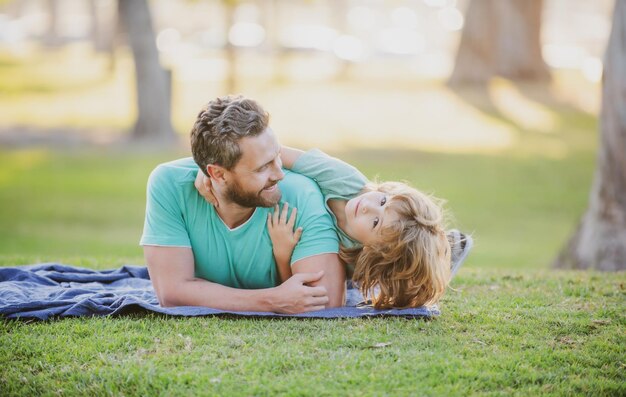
x=52, y=290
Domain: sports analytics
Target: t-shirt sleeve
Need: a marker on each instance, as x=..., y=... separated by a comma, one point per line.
x=318, y=231
x=335, y=178
x=164, y=224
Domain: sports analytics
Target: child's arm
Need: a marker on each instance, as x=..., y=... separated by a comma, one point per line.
x=334, y=177
x=289, y=156
x=284, y=238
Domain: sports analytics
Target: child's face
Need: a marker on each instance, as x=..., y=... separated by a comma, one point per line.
x=367, y=215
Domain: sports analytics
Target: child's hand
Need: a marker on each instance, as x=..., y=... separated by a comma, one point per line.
x=205, y=188
x=284, y=238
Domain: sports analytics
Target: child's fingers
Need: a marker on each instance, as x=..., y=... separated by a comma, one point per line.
x=297, y=234
x=269, y=220
x=283, y=214
x=292, y=218
x=276, y=212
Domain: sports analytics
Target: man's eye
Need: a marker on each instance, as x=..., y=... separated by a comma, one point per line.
x=383, y=201
x=375, y=222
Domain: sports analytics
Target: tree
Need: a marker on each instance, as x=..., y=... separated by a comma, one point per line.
x=104, y=29
x=152, y=81
x=231, y=51
x=600, y=239
x=52, y=37
x=500, y=38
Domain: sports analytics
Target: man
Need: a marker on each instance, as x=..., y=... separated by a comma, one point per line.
x=221, y=256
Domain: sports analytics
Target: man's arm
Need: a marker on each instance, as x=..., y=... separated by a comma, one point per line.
x=172, y=273
x=334, y=279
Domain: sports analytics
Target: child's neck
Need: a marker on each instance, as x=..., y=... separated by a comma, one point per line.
x=338, y=207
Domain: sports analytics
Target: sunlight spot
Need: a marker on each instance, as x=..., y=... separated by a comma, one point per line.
x=431, y=120
x=12, y=32
x=433, y=64
x=197, y=70
x=451, y=18
x=563, y=56
x=436, y=3
x=523, y=111
x=401, y=41
x=571, y=87
x=349, y=48
x=245, y=34
x=592, y=69
x=361, y=17
x=167, y=40
x=317, y=37
x=404, y=17
x=247, y=12
x=316, y=69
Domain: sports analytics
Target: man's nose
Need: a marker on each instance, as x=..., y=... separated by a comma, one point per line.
x=278, y=174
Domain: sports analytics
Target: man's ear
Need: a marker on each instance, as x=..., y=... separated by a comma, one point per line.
x=216, y=172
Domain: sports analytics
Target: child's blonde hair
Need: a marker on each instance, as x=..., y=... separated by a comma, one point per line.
x=410, y=263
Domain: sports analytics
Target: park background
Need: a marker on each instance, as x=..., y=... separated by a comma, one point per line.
x=511, y=146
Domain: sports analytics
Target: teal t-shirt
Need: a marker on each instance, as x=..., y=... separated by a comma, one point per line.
x=177, y=216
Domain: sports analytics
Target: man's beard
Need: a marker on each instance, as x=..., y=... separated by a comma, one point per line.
x=251, y=200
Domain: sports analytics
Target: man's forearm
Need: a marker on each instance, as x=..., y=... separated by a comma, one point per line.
x=172, y=273
x=200, y=292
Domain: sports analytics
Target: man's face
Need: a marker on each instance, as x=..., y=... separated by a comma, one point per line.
x=253, y=180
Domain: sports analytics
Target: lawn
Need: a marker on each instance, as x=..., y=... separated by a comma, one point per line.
x=509, y=325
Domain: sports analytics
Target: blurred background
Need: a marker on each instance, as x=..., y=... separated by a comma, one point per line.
x=491, y=105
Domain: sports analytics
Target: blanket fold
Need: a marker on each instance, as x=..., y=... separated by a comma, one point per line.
x=53, y=290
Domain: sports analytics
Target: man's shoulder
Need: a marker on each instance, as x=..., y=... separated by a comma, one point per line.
x=302, y=191
x=297, y=184
x=177, y=171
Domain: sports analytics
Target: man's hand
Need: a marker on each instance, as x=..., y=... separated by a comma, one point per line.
x=294, y=296
x=205, y=188
x=334, y=279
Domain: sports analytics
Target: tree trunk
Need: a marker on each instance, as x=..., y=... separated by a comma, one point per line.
x=272, y=24
x=231, y=51
x=101, y=33
x=599, y=242
x=152, y=81
x=52, y=37
x=104, y=27
x=338, y=16
x=500, y=38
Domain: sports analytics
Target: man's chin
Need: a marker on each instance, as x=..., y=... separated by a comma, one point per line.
x=270, y=198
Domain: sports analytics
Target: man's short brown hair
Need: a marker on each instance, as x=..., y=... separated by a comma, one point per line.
x=220, y=125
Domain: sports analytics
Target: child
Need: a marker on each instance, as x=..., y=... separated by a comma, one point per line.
x=391, y=235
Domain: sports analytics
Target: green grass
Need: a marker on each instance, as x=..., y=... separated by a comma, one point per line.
x=501, y=333
x=509, y=325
